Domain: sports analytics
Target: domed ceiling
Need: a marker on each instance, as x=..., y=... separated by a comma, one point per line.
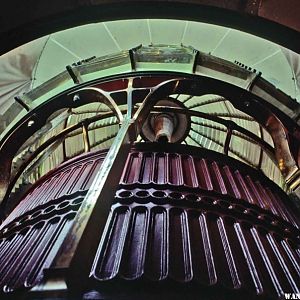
x=30, y=65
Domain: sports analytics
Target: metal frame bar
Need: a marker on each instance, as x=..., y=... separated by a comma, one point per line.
x=87, y=147
x=91, y=218
x=85, y=135
x=226, y=123
x=107, y=138
x=194, y=85
x=261, y=153
x=91, y=128
x=240, y=135
x=233, y=116
x=22, y=103
x=187, y=99
x=179, y=86
x=43, y=157
x=207, y=102
x=229, y=149
x=33, y=121
x=103, y=97
x=96, y=205
x=44, y=146
x=74, y=256
x=227, y=140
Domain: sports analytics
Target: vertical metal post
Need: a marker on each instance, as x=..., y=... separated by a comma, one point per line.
x=86, y=140
x=64, y=147
x=129, y=98
x=227, y=140
x=76, y=254
x=77, y=251
x=261, y=149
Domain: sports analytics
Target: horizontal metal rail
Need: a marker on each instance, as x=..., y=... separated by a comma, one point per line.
x=83, y=127
x=228, y=124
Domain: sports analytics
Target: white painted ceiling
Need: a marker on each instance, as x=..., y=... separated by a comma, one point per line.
x=36, y=62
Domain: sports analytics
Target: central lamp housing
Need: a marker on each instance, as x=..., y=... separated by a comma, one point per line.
x=168, y=127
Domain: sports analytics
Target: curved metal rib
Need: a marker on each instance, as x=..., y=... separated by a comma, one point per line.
x=105, y=98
